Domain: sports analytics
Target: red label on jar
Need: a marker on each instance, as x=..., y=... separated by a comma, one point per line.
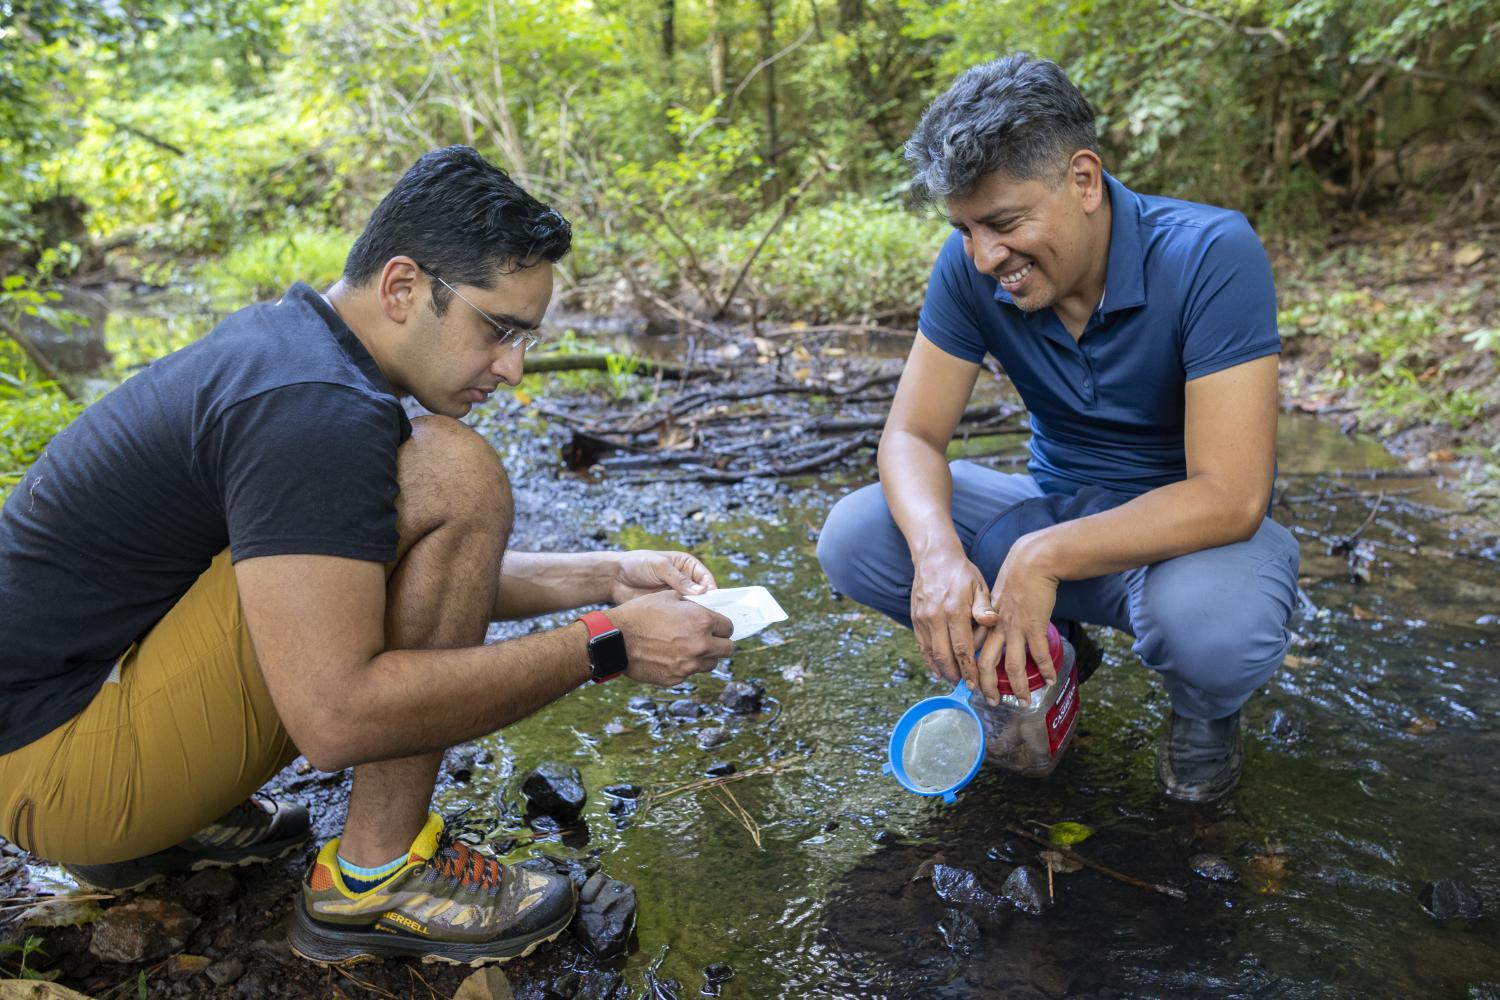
x=1063, y=713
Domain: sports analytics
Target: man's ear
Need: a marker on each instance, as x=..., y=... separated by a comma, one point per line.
x=401, y=289
x=1086, y=175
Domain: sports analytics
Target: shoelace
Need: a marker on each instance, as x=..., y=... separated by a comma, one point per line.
x=459, y=861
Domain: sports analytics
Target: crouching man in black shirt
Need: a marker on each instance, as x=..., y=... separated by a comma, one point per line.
x=248, y=551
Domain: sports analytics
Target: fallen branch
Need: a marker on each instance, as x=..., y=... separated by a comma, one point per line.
x=1072, y=855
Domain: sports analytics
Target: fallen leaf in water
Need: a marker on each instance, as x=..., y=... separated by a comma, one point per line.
x=792, y=673
x=1441, y=455
x=1295, y=662
x=1059, y=862
x=763, y=345
x=1468, y=255
x=1267, y=871
x=522, y=397
x=802, y=374
x=834, y=352
x=801, y=353
x=1421, y=725
x=1364, y=614
x=1068, y=834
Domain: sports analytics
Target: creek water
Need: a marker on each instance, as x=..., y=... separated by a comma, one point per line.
x=1370, y=767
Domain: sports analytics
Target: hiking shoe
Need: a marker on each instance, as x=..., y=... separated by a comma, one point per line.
x=448, y=903
x=1086, y=652
x=1199, y=761
x=258, y=830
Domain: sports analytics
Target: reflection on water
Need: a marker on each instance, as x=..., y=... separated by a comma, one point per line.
x=1370, y=769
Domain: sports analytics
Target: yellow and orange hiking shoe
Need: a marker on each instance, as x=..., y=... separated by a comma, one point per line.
x=449, y=902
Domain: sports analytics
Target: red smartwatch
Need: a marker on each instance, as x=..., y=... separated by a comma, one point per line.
x=607, y=659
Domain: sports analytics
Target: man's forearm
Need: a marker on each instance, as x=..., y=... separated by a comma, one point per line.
x=918, y=489
x=536, y=583
x=1169, y=521
x=407, y=702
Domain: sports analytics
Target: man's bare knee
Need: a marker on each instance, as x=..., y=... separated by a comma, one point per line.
x=449, y=473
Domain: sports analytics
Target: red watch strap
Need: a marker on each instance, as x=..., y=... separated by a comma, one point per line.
x=598, y=623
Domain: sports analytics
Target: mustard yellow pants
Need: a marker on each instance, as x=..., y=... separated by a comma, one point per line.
x=182, y=732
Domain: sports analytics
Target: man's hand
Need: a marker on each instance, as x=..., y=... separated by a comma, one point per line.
x=667, y=639
x=646, y=572
x=1024, y=596
x=950, y=614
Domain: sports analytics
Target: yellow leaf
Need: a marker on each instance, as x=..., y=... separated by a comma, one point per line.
x=523, y=397
x=1068, y=834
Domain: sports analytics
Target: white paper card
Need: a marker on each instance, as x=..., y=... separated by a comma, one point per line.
x=750, y=608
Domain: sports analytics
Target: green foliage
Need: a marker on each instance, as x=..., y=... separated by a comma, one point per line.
x=262, y=267
x=21, y=953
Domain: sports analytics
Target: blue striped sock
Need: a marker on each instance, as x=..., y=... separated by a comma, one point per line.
x=359, y=879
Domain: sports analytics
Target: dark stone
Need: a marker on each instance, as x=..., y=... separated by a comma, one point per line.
x=225, y=972
x=720, y=769
x=622, y=791
x=830, y=826
x=579, y=871
x=545, y=825
x=719, y=972
x=1027, y=890
x=742, y=697
x=712, y=738
x=564, y=987
x=253, y=987
x=214, y=885
x=643, y=704
x=555, y=790
x=141, y=931
x=1052, y=980
x=960, y=886
x=1212, y=867
x=958, y=931
x=885, y=837
x=606, y=919
x=1448, y=899
x=686, y=708
x=1280, y=726
x=686, y=687
x=602, y=984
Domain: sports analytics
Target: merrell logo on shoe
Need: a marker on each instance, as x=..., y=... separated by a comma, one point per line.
x=407, y=922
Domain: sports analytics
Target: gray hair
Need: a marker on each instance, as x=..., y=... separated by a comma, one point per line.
x=1019, y=115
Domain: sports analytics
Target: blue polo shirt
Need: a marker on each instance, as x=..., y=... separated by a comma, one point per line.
x=1188, y=292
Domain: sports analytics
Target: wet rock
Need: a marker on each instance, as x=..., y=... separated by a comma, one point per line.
x=603, y=984
x=214, y=885
x=631, y=792
x=1449, y=899
x=962, y=887
x=643, y=705
x=1052, y=980
x=742, y=697
x=1027, y=890
x=254, y=986
x=717, y=973
x=142, y=930
x=485, y=984
x=606, y=916
x=720, y=769
x=545, y=825
x=1282, y=727
x=686, y=687
x=579, y=871
x=564, y=987
x=885, y=837
x=183, y=966
x=555, y=790
x=712, y=738
x=686, y=708
x=1212, y=867
x=1008, y=851
x=225, y=972
x=958, y=931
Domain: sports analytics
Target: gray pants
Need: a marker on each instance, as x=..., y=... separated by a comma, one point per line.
x=1212, y=623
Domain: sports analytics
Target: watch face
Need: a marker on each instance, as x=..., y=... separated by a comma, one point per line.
x=607, y=654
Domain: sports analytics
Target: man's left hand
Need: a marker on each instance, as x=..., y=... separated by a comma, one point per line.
x=1023, y=597
x=645, y=571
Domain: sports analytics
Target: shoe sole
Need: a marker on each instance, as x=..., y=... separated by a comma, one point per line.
x=201, y=864
x=343, y=948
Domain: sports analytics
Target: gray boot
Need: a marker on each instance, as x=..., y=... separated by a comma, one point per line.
x=1199, y=761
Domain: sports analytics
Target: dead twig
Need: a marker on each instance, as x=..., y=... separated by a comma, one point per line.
x=1068, y=852
x=731, y=805
x=1347, y=542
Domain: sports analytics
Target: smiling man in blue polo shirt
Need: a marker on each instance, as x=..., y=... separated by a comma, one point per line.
x=1140, y=332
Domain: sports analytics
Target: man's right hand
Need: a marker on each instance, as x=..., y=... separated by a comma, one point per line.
x=951, y=614
x=668, y=639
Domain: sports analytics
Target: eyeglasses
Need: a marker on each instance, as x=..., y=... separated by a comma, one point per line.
x=508, y=335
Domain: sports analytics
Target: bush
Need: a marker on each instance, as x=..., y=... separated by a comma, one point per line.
x=265, y=266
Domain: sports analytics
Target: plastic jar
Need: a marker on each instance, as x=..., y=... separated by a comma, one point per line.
x=1027, y=733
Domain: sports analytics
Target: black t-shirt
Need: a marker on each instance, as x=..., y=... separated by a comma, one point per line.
x=275, y=434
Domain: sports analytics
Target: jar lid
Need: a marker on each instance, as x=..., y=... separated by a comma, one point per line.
x=1034, y=679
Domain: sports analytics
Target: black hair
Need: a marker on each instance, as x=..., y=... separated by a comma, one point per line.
x=462, y=218
x=1019, y=115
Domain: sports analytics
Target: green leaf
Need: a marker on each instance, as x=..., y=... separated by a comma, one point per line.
x=14, y=281
x=140, y=984
x=1068, y=834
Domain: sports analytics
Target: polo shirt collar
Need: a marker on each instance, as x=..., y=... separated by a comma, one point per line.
x=1125, y=277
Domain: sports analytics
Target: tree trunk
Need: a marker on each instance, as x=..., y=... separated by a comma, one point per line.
x=767, y=53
